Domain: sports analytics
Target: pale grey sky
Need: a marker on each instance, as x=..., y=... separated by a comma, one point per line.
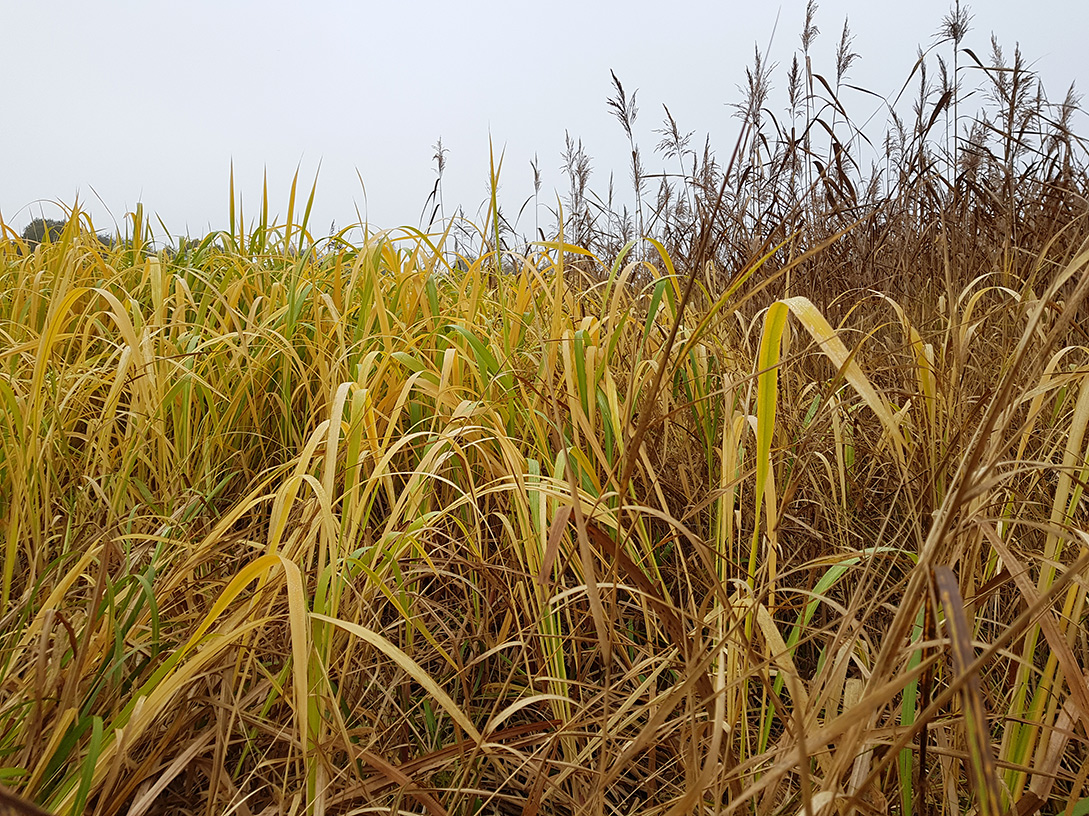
x=126, y=102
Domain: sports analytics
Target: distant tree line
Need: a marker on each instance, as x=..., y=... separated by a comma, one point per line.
x=43, y=229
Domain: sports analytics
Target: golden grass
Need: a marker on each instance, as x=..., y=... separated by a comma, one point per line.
x=777, y=511
x=349, y=530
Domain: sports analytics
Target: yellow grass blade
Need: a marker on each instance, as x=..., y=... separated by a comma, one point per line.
x=829, y=342
x=409, y=666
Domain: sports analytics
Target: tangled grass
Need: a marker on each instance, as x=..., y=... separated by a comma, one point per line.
x=778, y=511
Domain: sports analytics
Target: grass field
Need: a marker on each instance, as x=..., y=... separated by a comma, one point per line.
x=778, y=510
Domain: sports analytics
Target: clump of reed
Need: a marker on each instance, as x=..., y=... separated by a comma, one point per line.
x=778, y=511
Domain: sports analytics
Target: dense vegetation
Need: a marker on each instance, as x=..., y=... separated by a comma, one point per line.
x=777, y=510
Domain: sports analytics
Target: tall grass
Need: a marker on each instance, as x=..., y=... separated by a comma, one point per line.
x=779, y=511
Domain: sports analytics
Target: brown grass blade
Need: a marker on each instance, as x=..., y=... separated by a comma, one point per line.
x=12, y=804
x=982, y=765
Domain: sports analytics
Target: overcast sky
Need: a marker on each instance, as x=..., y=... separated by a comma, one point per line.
x=126, y=102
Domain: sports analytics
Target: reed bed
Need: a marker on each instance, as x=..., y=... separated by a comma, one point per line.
x=779, y=510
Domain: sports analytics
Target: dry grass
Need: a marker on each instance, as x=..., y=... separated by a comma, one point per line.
x=295, y=525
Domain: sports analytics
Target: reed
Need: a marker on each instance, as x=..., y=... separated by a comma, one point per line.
x=779, y=510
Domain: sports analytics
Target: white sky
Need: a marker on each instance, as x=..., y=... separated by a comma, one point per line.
x=126, y=102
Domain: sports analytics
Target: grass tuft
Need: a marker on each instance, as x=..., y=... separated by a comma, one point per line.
x=773, y=504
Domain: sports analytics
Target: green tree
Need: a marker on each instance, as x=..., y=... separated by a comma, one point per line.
x=37, y=230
